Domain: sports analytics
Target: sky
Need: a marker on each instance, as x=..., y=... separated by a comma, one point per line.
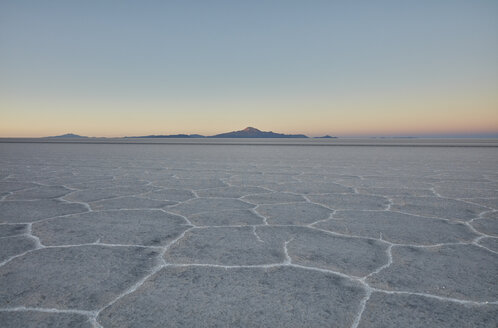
x=344, y=68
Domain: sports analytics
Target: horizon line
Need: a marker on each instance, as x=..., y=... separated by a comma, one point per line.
x=492, y=135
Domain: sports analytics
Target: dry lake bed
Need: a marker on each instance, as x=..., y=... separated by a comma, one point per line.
x=248, y=235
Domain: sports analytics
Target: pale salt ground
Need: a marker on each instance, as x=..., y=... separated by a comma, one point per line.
x=174, y=235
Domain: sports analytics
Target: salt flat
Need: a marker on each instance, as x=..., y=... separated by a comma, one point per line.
x=248, y=235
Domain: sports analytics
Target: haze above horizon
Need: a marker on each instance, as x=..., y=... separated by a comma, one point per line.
x=366, y=68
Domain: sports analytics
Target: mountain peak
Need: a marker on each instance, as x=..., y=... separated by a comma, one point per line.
x=68, y=135
x=251, y=129
x=251, y=132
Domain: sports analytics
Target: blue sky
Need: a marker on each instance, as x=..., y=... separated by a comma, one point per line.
x=112, y=68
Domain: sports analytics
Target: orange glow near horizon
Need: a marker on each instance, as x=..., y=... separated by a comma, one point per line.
x=461, y=109
x=366, y=118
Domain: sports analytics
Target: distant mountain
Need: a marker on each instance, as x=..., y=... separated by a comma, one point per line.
x=246, y=133
x=326, y=137
x=250, y=132
x=171, y=136
x=68, y=135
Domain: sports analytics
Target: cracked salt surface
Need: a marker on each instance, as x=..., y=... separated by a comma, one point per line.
x=247, y=236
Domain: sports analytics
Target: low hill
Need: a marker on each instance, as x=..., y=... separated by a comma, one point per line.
x=171, y=136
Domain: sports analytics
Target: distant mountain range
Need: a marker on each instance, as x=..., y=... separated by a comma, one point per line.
x=248, y=132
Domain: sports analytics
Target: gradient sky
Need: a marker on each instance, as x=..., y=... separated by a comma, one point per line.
x=115, y=68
